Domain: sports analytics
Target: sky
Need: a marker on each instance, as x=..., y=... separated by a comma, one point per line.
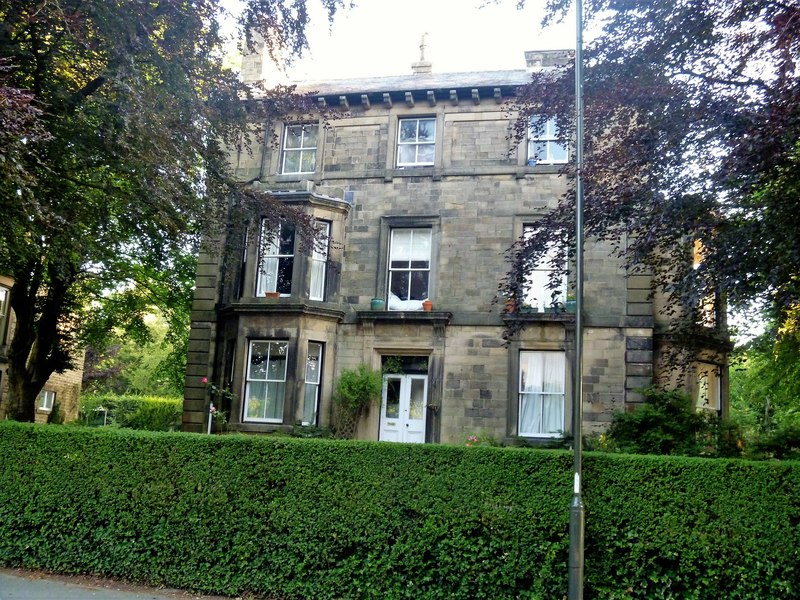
x=382, y=37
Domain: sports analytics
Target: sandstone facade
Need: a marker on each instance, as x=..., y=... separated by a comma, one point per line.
x=471, y=195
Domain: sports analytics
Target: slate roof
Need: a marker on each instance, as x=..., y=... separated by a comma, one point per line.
x=417, y=82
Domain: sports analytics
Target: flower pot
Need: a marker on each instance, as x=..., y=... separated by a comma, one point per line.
x=427, y=305
x=273, y=294
x=377, y=304
x=572, y=305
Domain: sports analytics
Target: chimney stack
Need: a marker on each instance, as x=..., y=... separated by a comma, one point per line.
x=547, y=59
x=423, y=66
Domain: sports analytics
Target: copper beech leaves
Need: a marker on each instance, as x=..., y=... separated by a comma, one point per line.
x=692, y=116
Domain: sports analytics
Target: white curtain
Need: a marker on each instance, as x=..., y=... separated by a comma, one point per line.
x=267, y=276
x=317, y=290
x=541, y=393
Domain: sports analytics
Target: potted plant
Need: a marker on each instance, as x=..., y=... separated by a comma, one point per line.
x=572, y=303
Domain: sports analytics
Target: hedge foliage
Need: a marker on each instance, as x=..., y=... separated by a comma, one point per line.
x=152, y=413
x=292, y=518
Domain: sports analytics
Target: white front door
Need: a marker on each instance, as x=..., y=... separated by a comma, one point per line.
x=403, y=408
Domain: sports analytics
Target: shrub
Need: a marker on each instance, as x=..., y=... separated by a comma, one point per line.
x=356, y=390
x=782, y=443
x=151, y=413
x=292, y=518
x=667, y=423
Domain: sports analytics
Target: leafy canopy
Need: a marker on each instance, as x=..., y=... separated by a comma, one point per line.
x=692, y=122
x=118, y=118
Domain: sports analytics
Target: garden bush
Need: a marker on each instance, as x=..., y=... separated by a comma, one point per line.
x=668, y=423
x=321, y=518
x=152, y=413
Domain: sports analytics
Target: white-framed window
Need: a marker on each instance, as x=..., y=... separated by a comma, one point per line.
x=542, y=377
x=312, y=382
x=409, y=268
x=708, y=392
x=266, y=381
x=46, y=400
x=538, y=293
x=416, y=142
x=319, y=263
x=276, y=266
x=4, y=309
x=543, y=144
x=299, y=149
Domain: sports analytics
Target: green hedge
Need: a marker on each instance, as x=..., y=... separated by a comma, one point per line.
x=152, y=413
x=291, y=518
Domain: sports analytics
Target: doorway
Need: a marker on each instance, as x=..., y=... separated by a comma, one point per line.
x=403, y=408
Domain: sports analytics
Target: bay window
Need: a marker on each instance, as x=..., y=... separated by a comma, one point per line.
x=312, y=383
x=277, y=260
x=265, y=385
x=319, y=263
x=4, y=309
x=708, y=394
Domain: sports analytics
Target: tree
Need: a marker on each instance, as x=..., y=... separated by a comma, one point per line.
x=151, y=365
x=692, y=122
x=765, y=381
x=115, y=162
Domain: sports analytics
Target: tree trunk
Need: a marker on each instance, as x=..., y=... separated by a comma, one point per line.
x=22, y=396
x=35, y=351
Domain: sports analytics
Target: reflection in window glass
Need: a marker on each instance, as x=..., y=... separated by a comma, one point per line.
x=409, y=268
x=300, y=149
x=544, y=146
x=392, y=398
x=416, y=142
x=539, y=293
x=416, y=403
x=266, y=381
x=46, y=400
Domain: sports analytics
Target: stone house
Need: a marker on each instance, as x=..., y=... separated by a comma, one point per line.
x=422, y=191
x=62, y=389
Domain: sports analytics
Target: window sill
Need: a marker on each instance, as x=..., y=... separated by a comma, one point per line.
x=285, y=305
x=418, y=171
x=545, y=168
x=400, y=316
x=560, y=317
x=554, y=441
x=255, y=427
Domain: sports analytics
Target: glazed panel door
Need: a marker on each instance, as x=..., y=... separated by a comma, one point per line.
x=403, y=408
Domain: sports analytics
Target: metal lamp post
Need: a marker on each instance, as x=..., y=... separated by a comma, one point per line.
x=576, y=510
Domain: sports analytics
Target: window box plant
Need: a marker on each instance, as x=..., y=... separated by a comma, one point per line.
x=572, y=303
